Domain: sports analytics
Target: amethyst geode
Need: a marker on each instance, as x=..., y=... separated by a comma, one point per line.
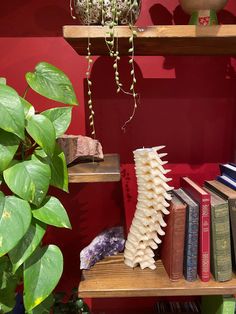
x=108, y=243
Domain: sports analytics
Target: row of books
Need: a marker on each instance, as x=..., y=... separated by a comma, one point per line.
x=193, y=306
x=217, y=304
x=200, y=228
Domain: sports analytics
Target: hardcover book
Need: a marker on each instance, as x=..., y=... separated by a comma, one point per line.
x=191, y=235
x=229, y=170
x=230, y=195
x=173, y=242
x=218, y=304
x=203, y=198
x=221, y=262
x=227, y=181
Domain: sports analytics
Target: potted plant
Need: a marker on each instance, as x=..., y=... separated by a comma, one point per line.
x=203, y=12
x=110, y=13
x=31, y=161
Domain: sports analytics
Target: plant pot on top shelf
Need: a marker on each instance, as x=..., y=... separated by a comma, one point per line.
x=103, y=11
x=203, y=12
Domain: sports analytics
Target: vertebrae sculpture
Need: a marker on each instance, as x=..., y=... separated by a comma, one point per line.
x=152, y=203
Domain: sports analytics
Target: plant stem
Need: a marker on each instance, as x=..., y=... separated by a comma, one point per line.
x=26, y=91
x=88, y=72
x=71, y=11
x=131, y=61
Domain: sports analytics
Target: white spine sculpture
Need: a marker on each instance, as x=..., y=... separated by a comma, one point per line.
x=152, y=203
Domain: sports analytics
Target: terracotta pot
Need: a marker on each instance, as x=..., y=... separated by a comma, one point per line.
x=125, y=17
x=190, y=6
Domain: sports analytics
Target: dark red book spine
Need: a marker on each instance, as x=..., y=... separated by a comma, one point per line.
x=173, y=242
x=204, y=239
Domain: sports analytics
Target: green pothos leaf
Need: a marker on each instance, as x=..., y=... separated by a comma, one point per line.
x=9, y=144
x=41, y=129
x=11, y=112
x=52, y=212
x=15, y=214
x=44, y=307
x=7, y=293
x=29, y=110
x=50, y=82
x=42, y=271
x=27, y=244
x=59, y=171
x=29, y=179
x=60, y=118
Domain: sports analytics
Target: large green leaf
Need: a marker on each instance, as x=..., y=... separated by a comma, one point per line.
x=60, y=117
x=50, y=82
x=44, y=307
x=28, y=108
x=9, y=144
x=27, y=244
x=59, y=171
x=7, y=294
x=41, y=129
x=11, y=111
x=29, y=179
x=42, y=272
x=52, y=212
x=8, y=297
x=5, y=271
x=8, y=301
x=15, y=217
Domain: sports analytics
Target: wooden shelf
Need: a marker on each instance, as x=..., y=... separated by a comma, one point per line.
x=103, y=171
x=112, y=278
x=134, y=312
x=157, y=40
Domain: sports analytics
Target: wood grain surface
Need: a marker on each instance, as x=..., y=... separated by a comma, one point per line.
x=157, y=40
x=103, y=171
x=112, y=278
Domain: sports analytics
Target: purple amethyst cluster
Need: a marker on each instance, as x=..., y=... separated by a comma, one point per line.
x=108, y=243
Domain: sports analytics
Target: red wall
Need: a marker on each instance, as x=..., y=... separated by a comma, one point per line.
x=187, y=103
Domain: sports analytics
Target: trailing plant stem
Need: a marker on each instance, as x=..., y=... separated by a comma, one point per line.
x=26, y=91
x=132, y=72
x=89, y=82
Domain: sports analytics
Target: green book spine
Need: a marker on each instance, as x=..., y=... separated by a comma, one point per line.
x=218, y=304
x=221, y=263
x=227, y=305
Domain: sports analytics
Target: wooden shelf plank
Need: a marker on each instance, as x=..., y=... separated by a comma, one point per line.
x=103, y=171
x=112, y=278
x=157, y=40
x=118, y=311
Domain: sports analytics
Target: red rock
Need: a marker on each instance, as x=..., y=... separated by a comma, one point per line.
x=80, y=148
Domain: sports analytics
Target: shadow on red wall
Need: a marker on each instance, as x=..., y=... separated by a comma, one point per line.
x=192, y=114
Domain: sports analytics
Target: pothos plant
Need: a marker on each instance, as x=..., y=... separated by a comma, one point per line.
x=109, y=14
x=31, y=161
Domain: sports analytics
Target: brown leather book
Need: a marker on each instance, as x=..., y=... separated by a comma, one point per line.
x=172, y=251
